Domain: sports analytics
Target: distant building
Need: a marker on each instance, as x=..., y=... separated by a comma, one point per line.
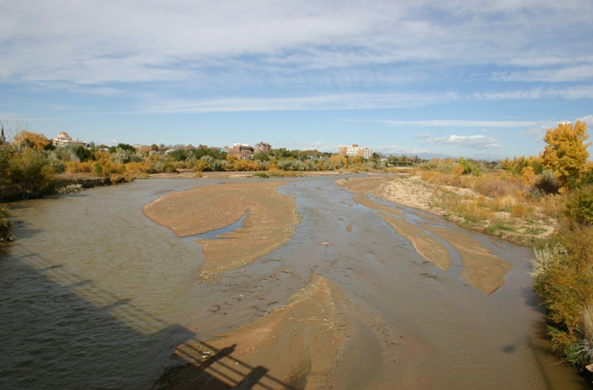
x=354, y=150
x=262, y=147
x=239, y=150
x=63, y=139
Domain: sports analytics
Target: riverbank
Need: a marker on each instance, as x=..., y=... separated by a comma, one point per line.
x=463, y=206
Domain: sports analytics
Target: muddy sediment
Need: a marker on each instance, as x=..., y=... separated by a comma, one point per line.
x=310, y=342
x=269, y=224
x=371, y=204
x=362, y=186
x=426, y=246
x=482, y=269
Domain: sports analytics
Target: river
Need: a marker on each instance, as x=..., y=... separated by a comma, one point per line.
x=94, y=295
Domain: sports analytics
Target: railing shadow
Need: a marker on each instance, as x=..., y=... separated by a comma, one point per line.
x=199, y=365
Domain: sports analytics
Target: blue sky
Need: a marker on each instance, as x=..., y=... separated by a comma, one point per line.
x=479, y=79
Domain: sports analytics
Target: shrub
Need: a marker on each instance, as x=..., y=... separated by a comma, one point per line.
x=458, y=170
x=202, y=166
x=4, y=223
x=30, y=171
x=245, y=165
x=547, y=183
x=580, y=207
x=563, y=272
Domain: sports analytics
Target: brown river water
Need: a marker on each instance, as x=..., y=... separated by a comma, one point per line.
x=94, y=295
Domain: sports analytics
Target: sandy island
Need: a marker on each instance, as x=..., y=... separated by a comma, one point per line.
x=269, y=224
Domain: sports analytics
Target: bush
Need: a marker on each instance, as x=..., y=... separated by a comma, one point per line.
x=30, y=171
x=547, y=183
x=202, y=166
x=4, y=223
x=563, y=272
x=579, y=208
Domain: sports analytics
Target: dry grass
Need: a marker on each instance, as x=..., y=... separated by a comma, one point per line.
x=494, y=205
x=498, y=188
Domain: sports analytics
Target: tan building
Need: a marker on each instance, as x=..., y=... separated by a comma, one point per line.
x=262, y=147
x=63, y=139
x=354, y=150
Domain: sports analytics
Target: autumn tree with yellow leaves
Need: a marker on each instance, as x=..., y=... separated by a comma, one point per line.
x=566, y=153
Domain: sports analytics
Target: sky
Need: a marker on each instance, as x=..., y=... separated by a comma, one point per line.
x=473, y=78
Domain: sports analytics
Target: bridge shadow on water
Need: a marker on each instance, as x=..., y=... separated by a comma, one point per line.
x=61, y=331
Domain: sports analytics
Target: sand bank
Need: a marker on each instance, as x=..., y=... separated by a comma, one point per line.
x=426, y=246
x=317, y=340
x=482, y=269
x=269, y=224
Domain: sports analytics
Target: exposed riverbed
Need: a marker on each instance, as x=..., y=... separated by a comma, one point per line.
x=95, y=295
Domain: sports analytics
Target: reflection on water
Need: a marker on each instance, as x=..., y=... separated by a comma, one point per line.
x=94, y=295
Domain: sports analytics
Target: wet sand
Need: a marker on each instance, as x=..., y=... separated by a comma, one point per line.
x=426, y=246
x=371, y=204
x=362, y=185
x=482, y=269
x=328, y=329
x=311, y=343
x=268, y=225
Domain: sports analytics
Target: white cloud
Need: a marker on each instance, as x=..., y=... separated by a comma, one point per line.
x=577, y=92
x=567, y=73
x=90, y=42
x=113, y=142
x=470, y=142
x=322, y=102
x=425, y=135
x=588, y=119
x=537, y=133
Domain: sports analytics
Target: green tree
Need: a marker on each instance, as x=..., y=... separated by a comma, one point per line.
x=83, y=153
x=566, y=153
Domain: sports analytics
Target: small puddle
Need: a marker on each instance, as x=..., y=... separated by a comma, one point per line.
x=214, y=234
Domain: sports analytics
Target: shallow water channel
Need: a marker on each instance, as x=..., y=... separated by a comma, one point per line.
x=94, y=295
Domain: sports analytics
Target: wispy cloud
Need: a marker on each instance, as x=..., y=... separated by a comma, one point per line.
x=323, y=102
x=582, y=72
x=577, y=92
x=424, y=135
x=454, y=123
x=470, y=142
x=86, y=42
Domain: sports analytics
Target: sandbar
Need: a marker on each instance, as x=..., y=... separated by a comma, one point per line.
x=269, y=224
x=317, y=340
x=426, y=246
x=482, y=269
